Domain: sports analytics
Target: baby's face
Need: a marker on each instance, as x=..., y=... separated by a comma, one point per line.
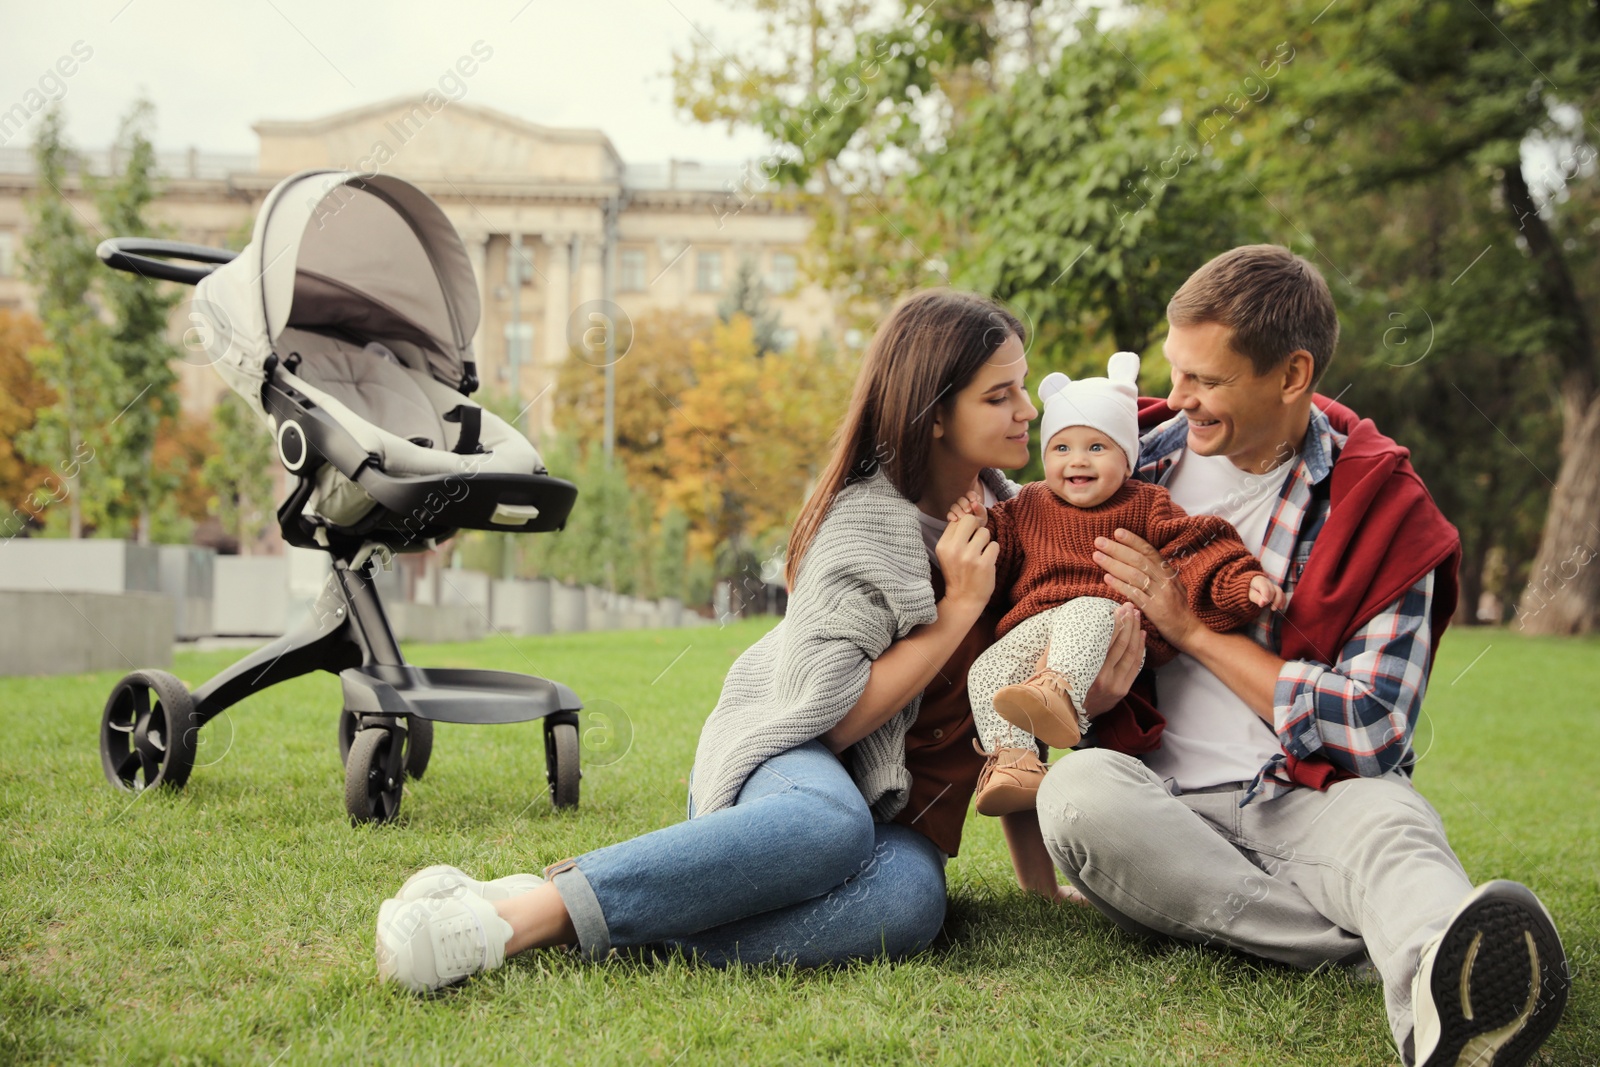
x=1083, y=466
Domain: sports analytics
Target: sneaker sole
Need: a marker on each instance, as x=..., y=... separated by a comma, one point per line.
x=1037, y=719
x=388, y=964
x=1007, y=800
x=1499, y=980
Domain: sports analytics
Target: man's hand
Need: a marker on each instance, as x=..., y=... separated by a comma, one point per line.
x=1150, y=583
x=1265, y=593
x=1124, y=657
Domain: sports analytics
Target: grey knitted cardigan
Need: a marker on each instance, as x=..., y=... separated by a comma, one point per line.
x=864, y=583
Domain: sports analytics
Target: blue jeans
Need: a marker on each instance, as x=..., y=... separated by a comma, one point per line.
x=796, y=871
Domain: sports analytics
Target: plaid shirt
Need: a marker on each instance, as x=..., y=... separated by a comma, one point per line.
x=1360, y=711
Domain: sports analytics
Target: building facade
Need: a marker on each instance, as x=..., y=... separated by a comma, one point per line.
x=559, y=227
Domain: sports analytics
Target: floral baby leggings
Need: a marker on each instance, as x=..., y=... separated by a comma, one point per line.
x=1078, y=634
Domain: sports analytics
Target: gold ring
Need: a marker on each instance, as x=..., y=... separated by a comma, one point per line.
x=1146, y=588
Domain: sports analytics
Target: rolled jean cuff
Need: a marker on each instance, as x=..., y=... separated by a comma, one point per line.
x=583, y=908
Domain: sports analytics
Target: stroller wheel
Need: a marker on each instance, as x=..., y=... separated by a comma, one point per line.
x=419, y=745
x=561, y=763
x=147, y=732
x=419, y=741
x=373, y=776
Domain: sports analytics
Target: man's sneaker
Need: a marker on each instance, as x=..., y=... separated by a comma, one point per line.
x=1492, y=986
x=1042, y=706
x=1009, y=781
x=441, y=880
x=433, y=942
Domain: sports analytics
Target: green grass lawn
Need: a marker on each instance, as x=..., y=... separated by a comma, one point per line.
x=232, y=922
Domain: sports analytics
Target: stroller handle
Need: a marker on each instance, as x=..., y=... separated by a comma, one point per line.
x=136, y=255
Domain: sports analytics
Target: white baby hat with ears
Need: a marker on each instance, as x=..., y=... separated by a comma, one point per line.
x=1109, y=404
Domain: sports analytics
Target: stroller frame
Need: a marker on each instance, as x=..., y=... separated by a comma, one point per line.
x=150, y=722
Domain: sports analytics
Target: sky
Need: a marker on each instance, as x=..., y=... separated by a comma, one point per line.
x=215, y=68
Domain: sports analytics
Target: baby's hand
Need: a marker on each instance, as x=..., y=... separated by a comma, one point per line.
x=1265, y=593
x=970, y=504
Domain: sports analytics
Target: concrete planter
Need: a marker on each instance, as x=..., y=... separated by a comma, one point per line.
x=250, y=596
x=520, y=606
x=602, y=607
x=263, y=596
x=466, y=589
x=67, y=633
x=94, y=565
x=435, y=623
x=188, y=576
x=569, y=609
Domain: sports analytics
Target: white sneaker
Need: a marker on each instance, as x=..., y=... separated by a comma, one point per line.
x=442, y=880
x=1492, y=986
x=433, y=942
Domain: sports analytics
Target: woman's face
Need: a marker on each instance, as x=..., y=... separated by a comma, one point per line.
x=986, y=424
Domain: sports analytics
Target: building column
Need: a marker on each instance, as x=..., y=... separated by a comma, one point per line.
x=591, y=266
x=557, y=308
x=482, y=351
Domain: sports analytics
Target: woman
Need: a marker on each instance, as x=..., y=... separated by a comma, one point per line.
x=823, y=806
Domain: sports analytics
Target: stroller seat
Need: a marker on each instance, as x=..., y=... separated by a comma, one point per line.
x=408, y=422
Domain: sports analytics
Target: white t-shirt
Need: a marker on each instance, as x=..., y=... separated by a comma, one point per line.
x=1212, y=737
x=933, y=529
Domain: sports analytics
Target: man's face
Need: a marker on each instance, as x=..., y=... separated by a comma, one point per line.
x=1231, y=411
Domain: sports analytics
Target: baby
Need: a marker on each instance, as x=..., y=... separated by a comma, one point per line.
x=1059, y=602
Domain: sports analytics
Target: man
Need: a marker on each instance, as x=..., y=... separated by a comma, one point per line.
x=1270, y=808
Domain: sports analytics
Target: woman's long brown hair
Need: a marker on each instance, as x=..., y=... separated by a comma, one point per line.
x=929, y=349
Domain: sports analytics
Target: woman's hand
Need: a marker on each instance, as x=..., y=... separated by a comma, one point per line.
x=1124, y=657
x=1150, y=583
x=970, y=504
x=967, y=558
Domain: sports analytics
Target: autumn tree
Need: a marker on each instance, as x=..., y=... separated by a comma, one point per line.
x=238, y=472
x=23, y=483
x=58, y=261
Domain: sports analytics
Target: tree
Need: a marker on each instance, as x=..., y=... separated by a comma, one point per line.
x=1406, y=90
x=745, y=443
x=601, y=544
x=1080, y=195
x=58, y=261
x=653, y=369
x=139, y=309
x=238, y=472
x=24, y=485
x=183, y=444
x=747, y=296
x=1444, y=361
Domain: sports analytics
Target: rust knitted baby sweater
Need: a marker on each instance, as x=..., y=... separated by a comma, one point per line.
x=1047, y=556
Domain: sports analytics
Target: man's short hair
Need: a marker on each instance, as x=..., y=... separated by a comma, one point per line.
x=1273, y=300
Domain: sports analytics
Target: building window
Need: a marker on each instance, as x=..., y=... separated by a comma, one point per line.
x=708, y=272
x=785, y=268
x=8, y=254
x=631, y=279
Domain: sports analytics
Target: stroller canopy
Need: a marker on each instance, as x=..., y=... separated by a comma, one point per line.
x=369, y=257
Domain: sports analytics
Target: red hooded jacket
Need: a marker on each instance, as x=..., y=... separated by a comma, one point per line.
x=1382, y=534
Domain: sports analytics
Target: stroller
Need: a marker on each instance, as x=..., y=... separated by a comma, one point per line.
x=347, y=326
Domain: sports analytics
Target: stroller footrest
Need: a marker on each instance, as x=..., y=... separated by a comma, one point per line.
x=450, y=694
